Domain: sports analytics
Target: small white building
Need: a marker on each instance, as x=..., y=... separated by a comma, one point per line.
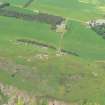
x=100, y=21
x=93, y=23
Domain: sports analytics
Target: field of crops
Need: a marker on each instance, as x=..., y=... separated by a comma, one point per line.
x=66, y=65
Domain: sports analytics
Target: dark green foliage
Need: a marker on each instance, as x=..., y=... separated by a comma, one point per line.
x=100, y=29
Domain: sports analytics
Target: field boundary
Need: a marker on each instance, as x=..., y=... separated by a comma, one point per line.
x=38, y=43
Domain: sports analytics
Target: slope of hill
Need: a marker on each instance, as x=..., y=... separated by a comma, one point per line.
x=57, y=60
x=87, y=9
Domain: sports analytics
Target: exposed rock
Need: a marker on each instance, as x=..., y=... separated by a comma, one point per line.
x=16, y=95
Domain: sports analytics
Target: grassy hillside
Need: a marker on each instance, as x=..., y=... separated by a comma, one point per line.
x=68, y=8
x=42, y=71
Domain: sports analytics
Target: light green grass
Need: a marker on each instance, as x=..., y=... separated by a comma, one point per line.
x=69, y=8
x=84, y=41
x=33, y=30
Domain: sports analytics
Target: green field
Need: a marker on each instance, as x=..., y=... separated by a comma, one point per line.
x=67, y=8
x=41, y=71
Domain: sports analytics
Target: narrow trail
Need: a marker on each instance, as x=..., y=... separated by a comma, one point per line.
x=28, y=3
x=62, y=30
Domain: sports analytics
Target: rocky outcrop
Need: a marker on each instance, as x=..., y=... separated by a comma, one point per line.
x=16, y=96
